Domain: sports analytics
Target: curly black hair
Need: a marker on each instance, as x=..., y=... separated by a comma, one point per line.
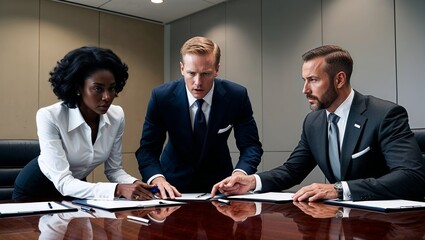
x=78, y=65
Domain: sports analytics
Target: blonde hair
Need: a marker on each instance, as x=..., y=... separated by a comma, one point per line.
x=201, y=46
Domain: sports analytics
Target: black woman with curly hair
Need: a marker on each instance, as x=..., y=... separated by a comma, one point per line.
x=81, y=132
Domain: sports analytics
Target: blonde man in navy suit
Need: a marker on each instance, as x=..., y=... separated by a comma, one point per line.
x=189, y=163
x=379, y=156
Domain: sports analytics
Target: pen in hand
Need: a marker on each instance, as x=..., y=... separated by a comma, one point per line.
x=154, y=190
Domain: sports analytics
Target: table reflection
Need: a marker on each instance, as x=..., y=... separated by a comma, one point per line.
x=203, y=220
x=238, y=211
x=55, y=226
x=109, y=225
x=321, y=221
x=213, y=220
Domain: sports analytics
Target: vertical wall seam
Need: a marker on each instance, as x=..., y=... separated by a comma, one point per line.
x=262, y=77
x=39, y=54
x=395, y=54
x=321, y=21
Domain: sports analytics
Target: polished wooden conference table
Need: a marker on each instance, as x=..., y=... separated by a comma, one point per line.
x=212, y=220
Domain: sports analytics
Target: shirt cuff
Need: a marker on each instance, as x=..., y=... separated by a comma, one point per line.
x=153, y=177
x=239, y=170
x=346, y=191
x=105, y=191
x=258, y=184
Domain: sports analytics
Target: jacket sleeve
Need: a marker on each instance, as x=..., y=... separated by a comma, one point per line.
x=247, y=139
x=151, y=142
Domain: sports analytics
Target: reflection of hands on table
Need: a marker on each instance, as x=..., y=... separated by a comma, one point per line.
x=137, y=213
x=160, y=214
x=238, y=211
x=317, y=210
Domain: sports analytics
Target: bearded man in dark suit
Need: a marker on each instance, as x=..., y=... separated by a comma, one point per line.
x=377, y=156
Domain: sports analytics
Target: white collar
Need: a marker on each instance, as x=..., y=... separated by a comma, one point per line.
x=76, y=119
x=207, y=98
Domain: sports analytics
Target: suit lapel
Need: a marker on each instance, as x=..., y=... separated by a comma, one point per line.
x=181, y=115
x=355, y=125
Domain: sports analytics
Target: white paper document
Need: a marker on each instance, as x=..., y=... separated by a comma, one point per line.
x=194, y=197
x=264, y=197
x=28, y=208
x=381, y=205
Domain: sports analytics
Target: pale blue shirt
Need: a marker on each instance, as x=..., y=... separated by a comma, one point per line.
x=67, y=153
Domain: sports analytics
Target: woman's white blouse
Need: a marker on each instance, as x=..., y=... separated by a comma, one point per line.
x=67, y=153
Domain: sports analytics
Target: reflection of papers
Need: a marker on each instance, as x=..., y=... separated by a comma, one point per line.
x=264, y=197
x=381, y=205
x=55, y=226
x=16, y=209
x=125, y=204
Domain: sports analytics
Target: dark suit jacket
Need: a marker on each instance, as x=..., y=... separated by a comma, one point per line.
x=392, y=167
x=168, y=112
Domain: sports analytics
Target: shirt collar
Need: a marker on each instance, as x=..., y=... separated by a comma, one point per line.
x=76, y=119
x=207, y=98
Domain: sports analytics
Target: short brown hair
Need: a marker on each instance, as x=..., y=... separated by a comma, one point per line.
x=336, y=58
x=201, y=46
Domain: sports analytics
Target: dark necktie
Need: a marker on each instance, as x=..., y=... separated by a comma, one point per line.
x=333, y=138
x=200, y=125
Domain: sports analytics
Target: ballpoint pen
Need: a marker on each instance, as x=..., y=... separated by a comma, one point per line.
x=155, y=190
x=87, y=209
x=203, y=194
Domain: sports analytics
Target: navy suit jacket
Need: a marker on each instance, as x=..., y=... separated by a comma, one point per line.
x=168, y=113
x=380, y=158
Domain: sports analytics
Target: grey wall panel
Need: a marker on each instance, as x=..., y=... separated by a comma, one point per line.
x=286, y=36
x=275, y=159
x=410, y=37
x=179, y=33
x=208, y=23
x=211, y=23
x=243, y=53
x=366, y=29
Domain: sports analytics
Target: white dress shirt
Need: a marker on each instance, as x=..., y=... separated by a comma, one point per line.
x=67, y=153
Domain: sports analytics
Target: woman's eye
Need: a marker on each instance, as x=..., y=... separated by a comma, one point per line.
x=98, y=89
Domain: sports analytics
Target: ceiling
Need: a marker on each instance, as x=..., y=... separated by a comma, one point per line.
x=162, y=13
